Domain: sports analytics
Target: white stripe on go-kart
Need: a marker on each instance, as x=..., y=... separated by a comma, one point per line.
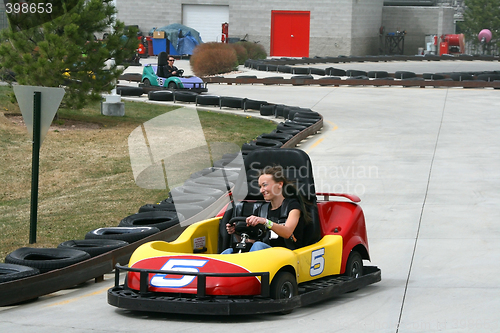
x=183, y=265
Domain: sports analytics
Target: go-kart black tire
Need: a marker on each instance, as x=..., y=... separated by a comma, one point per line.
x=122, y=233
x=46, y=259
x=10, y=272
x=146, y=83
x=283, y=286
x=161, y=95
x=129, y=91
x=159, y=219
x=94, y=247
x=172, y=85
x=354, y=265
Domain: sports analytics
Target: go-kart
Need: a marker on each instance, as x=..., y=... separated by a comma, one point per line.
x=189, y=275
x=153, y=76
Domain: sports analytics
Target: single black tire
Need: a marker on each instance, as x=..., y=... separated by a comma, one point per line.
x=129, y=91
x=300, y=70
x=305, y=121
x=10, y=272
x=268, y=143
x=355, y=73
x=432, y=76
x=335, y=71
x=232, y=102
x=291, y=131
x=461, y=76
x=284, y=286
x=251, y=104
x=159, y=219
x=317, y=71
x=46, y=259
x=146, y=83
x=377, y=74
x=267, y=110
x=172, y=85
x=185, y=96
x=404, y=75
x=283, y=137
x=94, y=247
x=208, y=100
x=161, y=95
x=129, y=235
x=354, y=265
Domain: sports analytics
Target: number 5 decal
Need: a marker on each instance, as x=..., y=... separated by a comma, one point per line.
x=317, y=262
x=182, y=265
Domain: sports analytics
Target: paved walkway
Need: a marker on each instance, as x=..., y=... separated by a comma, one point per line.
x=426, y=164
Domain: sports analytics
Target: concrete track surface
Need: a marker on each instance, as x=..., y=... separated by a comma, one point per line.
x=426, y=164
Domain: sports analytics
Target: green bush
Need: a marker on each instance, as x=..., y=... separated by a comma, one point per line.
x=254, y=51
x=213, y=58
x=241, y=52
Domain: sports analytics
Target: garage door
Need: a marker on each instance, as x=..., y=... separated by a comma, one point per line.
x=207, y=20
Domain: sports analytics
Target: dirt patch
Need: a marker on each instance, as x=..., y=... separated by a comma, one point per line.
x=62, y=125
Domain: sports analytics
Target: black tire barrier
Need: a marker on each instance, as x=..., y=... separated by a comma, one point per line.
x=161, y=95
x=404, y=75
x=284, y=69
x=267, y=110
x=488, y=77
x=232, y=102
x=185, y=96
x=328, y=78
x=335, y=71
x=377, y=74
x=288, y=126
x=46, y=259
x=185, y=190
x=129, y=235
x=432, y=76
x=355, y=73
x=10, y=272
x=308, y=121
x=251, y=104
x=207, y=100
x=129, y=91
x=317, y=71
x=461, y=76
x=248, y=76
x=302, y=77
x=262, y=67
x=159, y=219
x=93, y=247
x=187, y=210
x=300, y=70
x=283, y=137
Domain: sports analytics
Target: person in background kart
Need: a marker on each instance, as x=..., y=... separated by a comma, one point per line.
x=283, y=213
x=170, y=69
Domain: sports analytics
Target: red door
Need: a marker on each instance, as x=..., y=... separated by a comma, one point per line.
x=290, y=33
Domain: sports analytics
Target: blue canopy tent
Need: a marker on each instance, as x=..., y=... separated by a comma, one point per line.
x=182, y=39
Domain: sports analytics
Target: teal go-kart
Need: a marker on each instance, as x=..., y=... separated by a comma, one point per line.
x=152, y=77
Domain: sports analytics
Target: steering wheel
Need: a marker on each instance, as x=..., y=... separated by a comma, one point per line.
x=180, y=72
x=254, y=232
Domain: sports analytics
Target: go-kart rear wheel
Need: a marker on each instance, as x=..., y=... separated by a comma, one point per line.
x=172, y=85
x=354, y=266
x=146, y=83
x=283, y=286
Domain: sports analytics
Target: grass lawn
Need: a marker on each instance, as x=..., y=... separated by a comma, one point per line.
x=86, y=178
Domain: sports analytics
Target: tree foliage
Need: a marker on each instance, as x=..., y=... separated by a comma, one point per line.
x=64, y=52
x=479, y=15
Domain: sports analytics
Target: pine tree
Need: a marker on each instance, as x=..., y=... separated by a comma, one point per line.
x=479, y=15
x=64, y=52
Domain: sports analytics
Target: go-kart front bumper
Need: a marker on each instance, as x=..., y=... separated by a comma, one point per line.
x=309, y=293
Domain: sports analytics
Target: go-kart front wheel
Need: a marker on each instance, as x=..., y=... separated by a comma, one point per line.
x=283, y=286
x=146, y=83
x=172, y=85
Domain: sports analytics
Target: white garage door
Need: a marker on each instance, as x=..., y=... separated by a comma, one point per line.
x=206, y=19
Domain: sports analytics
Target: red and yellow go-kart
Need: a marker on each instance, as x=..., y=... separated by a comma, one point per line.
x=189, y=275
